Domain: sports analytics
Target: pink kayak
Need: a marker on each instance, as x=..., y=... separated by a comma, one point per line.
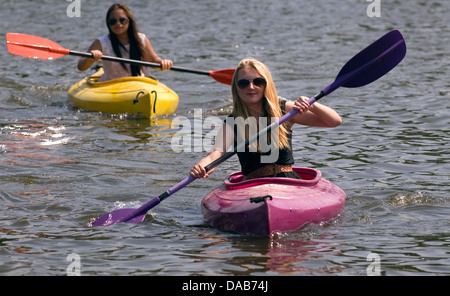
x=265, y=206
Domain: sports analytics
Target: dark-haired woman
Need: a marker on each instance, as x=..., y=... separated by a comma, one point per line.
x=124, y=40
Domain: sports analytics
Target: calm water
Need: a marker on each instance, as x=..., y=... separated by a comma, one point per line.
x=61, y=167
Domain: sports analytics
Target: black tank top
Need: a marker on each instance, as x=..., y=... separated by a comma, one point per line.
x=251, y=161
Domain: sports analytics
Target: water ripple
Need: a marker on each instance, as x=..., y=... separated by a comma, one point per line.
x=61, y=167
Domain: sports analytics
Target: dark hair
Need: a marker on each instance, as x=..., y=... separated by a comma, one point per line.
x=135, y=45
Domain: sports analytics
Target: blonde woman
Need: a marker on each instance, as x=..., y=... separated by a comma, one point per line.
x=256, y=105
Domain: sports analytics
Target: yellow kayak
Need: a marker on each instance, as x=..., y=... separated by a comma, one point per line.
x=124, y=95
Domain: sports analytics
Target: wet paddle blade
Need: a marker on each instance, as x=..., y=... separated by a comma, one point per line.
x=34, y=47
x=122, y=215
x=224, y=76
x=127, y=215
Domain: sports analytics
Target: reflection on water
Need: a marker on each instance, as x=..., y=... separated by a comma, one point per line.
x=283, y=254
x=29, y=143
x=142, y=129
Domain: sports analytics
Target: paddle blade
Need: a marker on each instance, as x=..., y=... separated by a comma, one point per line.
x=378, y=59
x=122, y=215
x=127, y=215
x=34, y=47
x=224, y=76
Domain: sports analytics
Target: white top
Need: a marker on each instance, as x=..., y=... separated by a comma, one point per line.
x=113, y=70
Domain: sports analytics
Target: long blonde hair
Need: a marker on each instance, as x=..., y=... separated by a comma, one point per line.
x=270, y=100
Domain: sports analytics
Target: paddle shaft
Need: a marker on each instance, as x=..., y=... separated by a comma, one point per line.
x=41, y=48
x=139, y=63
x=340, y=80
x=264, y=131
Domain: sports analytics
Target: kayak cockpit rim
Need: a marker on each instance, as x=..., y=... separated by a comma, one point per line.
x=309, y=177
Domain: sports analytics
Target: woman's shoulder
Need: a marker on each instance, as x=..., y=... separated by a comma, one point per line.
x=142, y=38
x=282, y=102
x=103, y=38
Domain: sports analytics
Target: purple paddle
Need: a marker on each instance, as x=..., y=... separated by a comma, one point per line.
x=367, y=66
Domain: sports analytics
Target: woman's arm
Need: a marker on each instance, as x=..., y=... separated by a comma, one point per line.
x=198, y=170
x=149, y=55
x=96, y=50
x=315, y=115
x=223, y=141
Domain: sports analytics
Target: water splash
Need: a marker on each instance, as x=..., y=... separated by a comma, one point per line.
x=410, y=198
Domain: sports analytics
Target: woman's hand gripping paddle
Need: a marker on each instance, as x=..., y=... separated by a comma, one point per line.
x=367, y=66
x=35, y=47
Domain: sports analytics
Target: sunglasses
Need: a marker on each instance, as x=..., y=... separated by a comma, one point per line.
x=258, y=82
x=113, y=21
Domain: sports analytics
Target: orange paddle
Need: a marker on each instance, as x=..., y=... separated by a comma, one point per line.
x=35, y=47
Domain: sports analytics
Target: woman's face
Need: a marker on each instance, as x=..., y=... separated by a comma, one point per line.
x=121, y=21
x=251, y=94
